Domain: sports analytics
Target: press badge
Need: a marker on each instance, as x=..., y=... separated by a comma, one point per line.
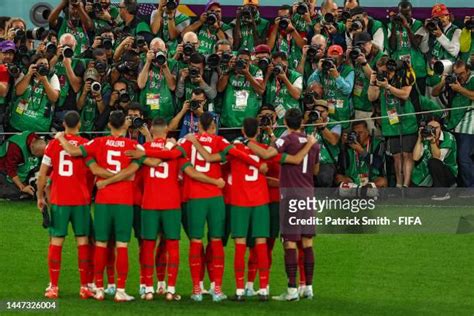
x=22, y=106
x=339, y=104
x=241, y=97
x=153, y=100
x=358, y=88
x=363, y=179
x=280, y=111
x=393, y=117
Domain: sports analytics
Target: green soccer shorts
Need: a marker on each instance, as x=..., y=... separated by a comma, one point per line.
x=137, y=222
x=274, y=219
x=79, y=216
x=250, y=221
x=211, y=210
x=166, y=222
x=113, y=220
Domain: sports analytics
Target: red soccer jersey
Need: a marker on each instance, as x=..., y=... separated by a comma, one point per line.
x=273, y=172
x=213, y=144
x=161, y=186
x=227, y=176
x=249, y=186
x=109, y=153
x=69, y=175
x=138, y=188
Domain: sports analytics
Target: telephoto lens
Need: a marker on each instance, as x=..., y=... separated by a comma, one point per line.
x=171, y=5
x=265, y=120
x=51, y=48
x=188, y=49
x=240, y=64
x=355, y=52
x=381, y=76
x=107, y=43
x=427, y=131
x=352, y=137
x=284, y=23
x=124, y=97
x=313, y=116
x=160, y=58
x=211, y=18
x=101, y=67
x=278, y=69
x=213, y=60
x=137, y=122
x=302, y=8
x=96, y=87
x=194, y=72
x=263, y=63
x=68, y=52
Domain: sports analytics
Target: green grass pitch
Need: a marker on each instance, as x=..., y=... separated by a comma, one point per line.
x=354, y=275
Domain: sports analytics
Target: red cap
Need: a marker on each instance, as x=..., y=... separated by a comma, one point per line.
x=335, y=50
x=438, y=10
x=262, y=48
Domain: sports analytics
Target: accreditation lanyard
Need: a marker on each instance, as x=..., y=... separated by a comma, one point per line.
x=358, y=161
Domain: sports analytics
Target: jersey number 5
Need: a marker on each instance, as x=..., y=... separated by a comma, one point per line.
x=111, y=154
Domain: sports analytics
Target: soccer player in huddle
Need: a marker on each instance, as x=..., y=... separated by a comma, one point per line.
x=113, y=203
x=296, y=183
x=70, y=205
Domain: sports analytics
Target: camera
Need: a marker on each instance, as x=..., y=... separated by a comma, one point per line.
x=213, y=60
x=36, y=33
x=381, y=76
x=97, y=7
x=137, y=122
x=313, y=116
x=194, y=72
x=450, y=79
x=19, y=34
x=327, y=64
x=127, y=66
x=357, y=25
x=106, y=43
x=211, y=18
x=427, y=131
x=302, y=8
x=263, y=63
x=345, y=15
x=265, y=120
x=396, y=19
x=42, y=70
x=442, y=67
x=247, y=14
x=23, y=50
x=194, y=105
x=469, y=24
x=101, y=67
x=433, y=24
x=171, y=5
x=225, y=58
x=308, y=98
x=188, y=49
x=124, y=97
x=313, y=51
x=329, y=18
x=355, y=52
x=240, y=64
x=51, y=48
x=284, y=23
x=160, y=58
x=13, y=70
x=352, y=138
x=278, y=69
x=394, y=65
x=139, y=41
x=68, y=52
x=96, y=87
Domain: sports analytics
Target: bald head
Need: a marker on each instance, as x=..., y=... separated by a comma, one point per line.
x=190, y=37
x=67, y=39
x=37, y=147
x=319, y=39
x=157, y=44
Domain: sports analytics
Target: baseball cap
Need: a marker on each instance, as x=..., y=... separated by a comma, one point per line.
x=262, y=48
x=210, y=3
x=362, y=38
x=91, y=74
x=5, y=46
x=357, y=10
x=335, y=50
x=252, y=2
x=438, y=10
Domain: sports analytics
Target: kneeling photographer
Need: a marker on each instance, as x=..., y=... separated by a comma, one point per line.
x=392, y=85
x=327, y=135
x=362, y=161
x=137, y=128
x=188, y=118
x=435, y=156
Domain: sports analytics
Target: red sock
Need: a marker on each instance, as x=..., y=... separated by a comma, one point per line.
x=252, y=265
x=54, y=263
x=83, y=263
x=208, y=263
x=161, y=260
x=301, y=264
x=122, y=267
x=90, y=269
x=218, y=263
x=195, y=249
x=140, y=261
x=270, y=245
x=239, y=265
x=148, y=264
x=111, y=262
x=100, y=260
x=262, y=256
x=172, y=247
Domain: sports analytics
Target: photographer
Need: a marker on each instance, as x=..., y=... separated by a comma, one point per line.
x=327, y=135
x=443, y=42
x=210, y=28
x=435, y=156
x=138, y=129
x=267, y=119
x=242, y=88
x=311, y=56
x=466, y=41
x=461, y=121
x=283, y=87
x=363, y=158
x=91, y=101
x=187, y=118
x=185, y=49
x=249, y=28
x=8, y=73
x=364, y=55
x=337, y=81
x=104, y=39
x=102, y=13
x=405, y=36
x=17, y=33
x=331, y=24
x=70, y=72
x=157, y=83
x=361, y=22
x=36, y=93
x=283, y=37
x=193, y=77
x=392, y=85
x=75, y=21
x=168, y=23
x=131, y=23
x=127, y=71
